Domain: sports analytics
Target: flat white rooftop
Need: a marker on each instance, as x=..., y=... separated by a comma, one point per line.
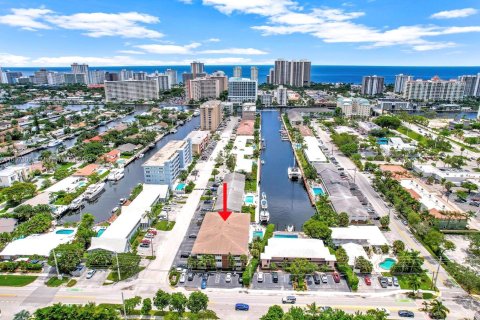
x=165, y=153
x=296, y=248
x=38, y=244
x=198, y=136
x=354, y=251
x=368, y=234
x=313, y=151
x=426, y=197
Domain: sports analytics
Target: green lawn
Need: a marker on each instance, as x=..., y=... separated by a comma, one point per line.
x=404, y=284
x=55, y=282
x=412, y=134
x=165, y=225
x=16, y=281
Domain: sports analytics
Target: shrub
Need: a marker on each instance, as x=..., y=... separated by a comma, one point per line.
x=352, y=278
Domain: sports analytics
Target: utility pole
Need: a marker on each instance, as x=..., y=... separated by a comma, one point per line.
x=124, y=308
x=59, y=276
x=118, y=270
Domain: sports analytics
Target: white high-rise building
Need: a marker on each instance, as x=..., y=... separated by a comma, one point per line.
x=434, y=90
x=56, y=78
x=131, y=90
x=74, y=78
x=400, y=80
x=281, y=95
x=354, y=107
x=293, y=73
x=237, y=72
x=125, y=75
x=2, y=76
x=80, y=68
x=372, y=85
x=242, y=90
x=162, y=79
x=140, y=75
x=472, y=85
x=96, y=77
x=254, y=73
x=172, y=77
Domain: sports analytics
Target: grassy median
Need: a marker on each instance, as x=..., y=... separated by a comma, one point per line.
x=16, y=281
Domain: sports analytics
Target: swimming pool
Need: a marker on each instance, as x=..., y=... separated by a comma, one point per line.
x=257, y=234
x=387, y=264
x=100, y=232
x=249, y=199
x=65, y=231
x=284, y=235
x=180, y=186
x=318, y=191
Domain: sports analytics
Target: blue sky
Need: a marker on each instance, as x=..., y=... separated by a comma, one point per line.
x=175, y=32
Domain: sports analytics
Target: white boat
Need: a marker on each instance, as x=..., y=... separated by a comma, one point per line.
x=114, y=209
x=54, y=143
x=173, y=130
x=263, y=161
x=290, y=228
x=294, y=173
x=141, y=155
x=57, y=211
x=264, y=195
x=264, y=216
x=116, y=174
x=76, y=203
x=196, y=113
x=263, y=204
x=122, y=201
x=94, y=190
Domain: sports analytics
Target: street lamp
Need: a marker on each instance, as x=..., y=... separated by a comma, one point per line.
x=59, y=276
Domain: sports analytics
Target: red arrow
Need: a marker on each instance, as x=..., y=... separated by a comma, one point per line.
x=224, y=213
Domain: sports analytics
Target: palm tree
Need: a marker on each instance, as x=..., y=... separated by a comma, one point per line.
x=415, y=282
x=22, y=315
x=313, y=310
x=438, y=310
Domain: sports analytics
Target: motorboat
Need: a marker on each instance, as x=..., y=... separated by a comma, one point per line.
x=264, y=216
x=262, y=162
x=76, y=203
x=54, y=143
x=122, y=201
x=263, y=204
x=173, y=130
x=141, y=155
x=264, y=195
x=58, y=211
x=116, y=174
x=294, y=173
x=290, y=228
x=196, y=113
x=114, y=209
x=94, y=190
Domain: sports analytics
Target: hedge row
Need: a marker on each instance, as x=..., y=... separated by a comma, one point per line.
x=249, y=271
x=12, y=266
x=352, y=278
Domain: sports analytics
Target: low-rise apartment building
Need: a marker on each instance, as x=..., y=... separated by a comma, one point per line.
x=131, y=90
x=199, y=141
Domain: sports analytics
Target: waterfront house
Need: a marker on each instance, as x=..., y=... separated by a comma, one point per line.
x=94, y=139
x=128, y=147
x=86, y=171
x=223, y=239
x=12, y=174
x=366, y=236
x=112, y=156
x=285, y=250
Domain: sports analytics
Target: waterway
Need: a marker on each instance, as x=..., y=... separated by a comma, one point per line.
x=288, y=202
x=102, y=207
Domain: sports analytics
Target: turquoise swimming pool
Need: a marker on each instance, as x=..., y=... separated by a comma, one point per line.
x=100, y=232
x=180, y=186
x=387, y=264
x=249, y=199
x=65, y=231
x=318, y=191
x=257, y=234
x=284, y=235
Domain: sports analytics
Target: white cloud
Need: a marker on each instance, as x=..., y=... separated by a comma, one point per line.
x=11, y=60
x=458, y=13
x=26, y=19
x=242, y=51
x=213, y=40
x=285, y=17
x=130, y=52
x=168, y=48
x=95, y=24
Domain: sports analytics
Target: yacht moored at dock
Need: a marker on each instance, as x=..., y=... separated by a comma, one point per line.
x=94, y=190
x=77, y=203
x=116, y=174
x=264, y=204
x=264, y=216
x=294, y=173
x=54, y=143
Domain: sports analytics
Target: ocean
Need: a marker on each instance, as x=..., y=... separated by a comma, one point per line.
x=331, y=74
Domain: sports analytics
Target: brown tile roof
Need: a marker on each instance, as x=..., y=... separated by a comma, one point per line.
x=398, y=172
x=246, y=128
x=414, y=195
x=305, y=131
x=220, y=237
x=87, y=170
x=444, y=216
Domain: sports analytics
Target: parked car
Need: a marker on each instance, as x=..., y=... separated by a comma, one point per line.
x=336, y=277
x=275, y=277
x=383, y=282
x=192, y=236
x=152, y=231
x=190, y=276
x=405, y=222
x=204, y=284
x=149, y=235
x=289, y=299
x=324, y=278
x=389, y=281
x=228, y=277
x=242, y=307
x=316, y=278
x=395, y=281
x=184, y=254
x=406, y=314
x=260, y=277
x=146, y=241
x=368, y=282
x=183, y=277
x=90, y=274
x=240, y=278
x=474, y=203
x=144, y=245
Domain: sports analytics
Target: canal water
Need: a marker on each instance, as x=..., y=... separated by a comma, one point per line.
x=288, y=202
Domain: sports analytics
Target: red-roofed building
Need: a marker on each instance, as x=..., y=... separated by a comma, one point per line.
x=111, y=156
x=246, y=128
x=94, y=139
